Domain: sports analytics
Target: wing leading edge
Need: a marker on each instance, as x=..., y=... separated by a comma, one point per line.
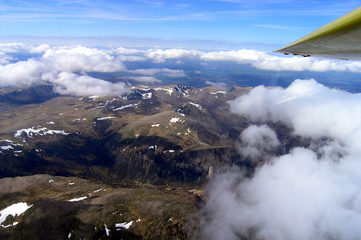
x=338, y=39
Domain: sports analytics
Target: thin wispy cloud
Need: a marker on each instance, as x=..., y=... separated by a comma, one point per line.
x=152, y=3
x=96, y=16
x=136, y=10
x=213, y=20
x=278, y=27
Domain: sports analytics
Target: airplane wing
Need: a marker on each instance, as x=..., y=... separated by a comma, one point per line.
x=339, y=39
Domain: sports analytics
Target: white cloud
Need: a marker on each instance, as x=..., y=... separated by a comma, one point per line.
x=257, y=141
x=264, y=61
x=128, y=54
x=78, y=59
x=39, y=49
x=123, y=58
x=4, y=59
x=241, y=56
x=257, y=59
x=92, y=59
x=165, y=71
x=57, y=65
x=146, y=79
x=297, y=196
x=32, y=72
x=21, y=48
x=173, y=72
x=160, y=55
x=23, y=73
x=127, y=51
x=149, y=71
x=221, y=85
x=310, y=108
x=81, y=59
x=308, y=193
x=72, y=84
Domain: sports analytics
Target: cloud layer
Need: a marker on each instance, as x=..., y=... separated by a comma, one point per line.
x=264, y=61
x=308, y=193
x=54, y=60
x=257, y=59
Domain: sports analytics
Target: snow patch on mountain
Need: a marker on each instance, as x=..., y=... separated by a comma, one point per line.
x=196, y=105
x=168, y=90
x=175, y=120
x=13, y=210
x=104, y=118
x=147, y=95
x=218, y=92
x=31, y=132
x=77, y=199
x=126, y=106
x=123, y=225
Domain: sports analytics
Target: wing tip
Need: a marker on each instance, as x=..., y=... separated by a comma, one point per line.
x=350, y=21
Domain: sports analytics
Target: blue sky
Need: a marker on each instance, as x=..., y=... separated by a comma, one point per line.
x=234, y=21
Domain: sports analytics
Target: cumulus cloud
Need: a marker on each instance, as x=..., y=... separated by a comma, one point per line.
x=257, y=59
x=21, y=48
x=63, y=65
x=264, y=61
x=310, y=108
x=81, y=59
x=221, y=85
x=58, y=65
x=257, y=141
x=34, y=71
x=296, y=197
x=127, y=51
x=173, y=73
x=124, y=58
x=72, y=84
x=4, y=59
x=160, y=55
x=23, y=73
x=307, y=193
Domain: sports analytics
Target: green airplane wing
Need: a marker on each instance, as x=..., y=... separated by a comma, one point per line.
x=338, y=39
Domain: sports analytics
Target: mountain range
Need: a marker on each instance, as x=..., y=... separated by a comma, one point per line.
x=128, y=167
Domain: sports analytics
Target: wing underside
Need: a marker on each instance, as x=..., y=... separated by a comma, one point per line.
x=339, y=39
